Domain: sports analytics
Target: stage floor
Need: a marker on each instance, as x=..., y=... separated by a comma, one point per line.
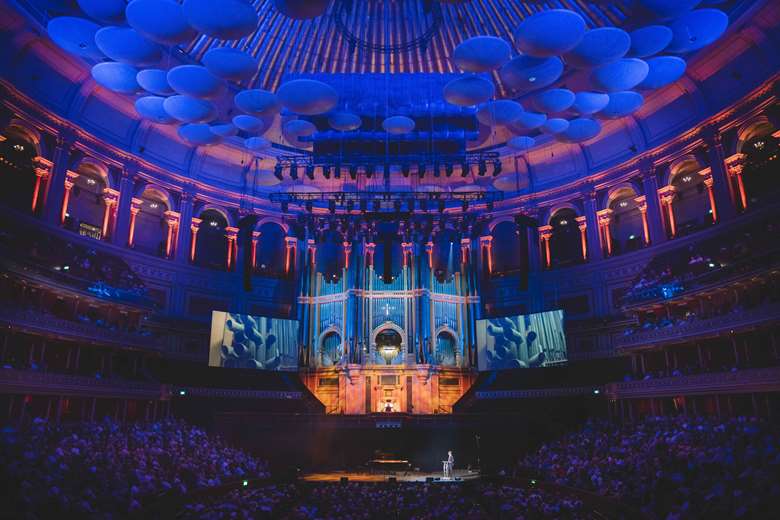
x=459, y=475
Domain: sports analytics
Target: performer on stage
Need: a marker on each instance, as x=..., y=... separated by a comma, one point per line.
x=448, y=464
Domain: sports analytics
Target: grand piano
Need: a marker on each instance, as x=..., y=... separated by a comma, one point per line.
x=387, y=463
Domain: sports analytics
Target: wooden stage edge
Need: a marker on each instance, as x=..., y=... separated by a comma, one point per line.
x=460, y=475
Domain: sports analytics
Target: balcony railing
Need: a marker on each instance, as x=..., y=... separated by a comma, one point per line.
x=32, y=382
x=739, y=381
x=700, y=327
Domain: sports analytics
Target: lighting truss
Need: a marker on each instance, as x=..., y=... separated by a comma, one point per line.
x=386, y=200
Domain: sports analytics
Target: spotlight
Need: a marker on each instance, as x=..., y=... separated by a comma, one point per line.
x=337, y=173
x=294, y=171
x=326, y=172
x=309, y=206
x=310, y=171
x=405, y=170
x=497, y=167
x=285, y=205
x=482, y=169
x=332, y=206
x=441, y=205
x=278, y=171
x=353, y=170
x=421, y=170
x=448, y=170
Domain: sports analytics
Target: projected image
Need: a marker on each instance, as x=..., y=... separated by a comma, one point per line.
x=243, y=341
x=526, y=341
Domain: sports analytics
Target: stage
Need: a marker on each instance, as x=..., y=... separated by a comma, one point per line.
x=459, y=475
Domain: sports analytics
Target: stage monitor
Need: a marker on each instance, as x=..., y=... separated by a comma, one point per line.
x=525, y=341
x=258, y=342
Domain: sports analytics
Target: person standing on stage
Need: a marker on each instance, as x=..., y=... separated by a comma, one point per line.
x=450, y=463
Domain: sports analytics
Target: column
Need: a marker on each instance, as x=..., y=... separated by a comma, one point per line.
x=194, y=227
x=348, y=251
x=232, y=234
x=185, y=239
x=135, y=208
x=605, y=218
x=56, y=187
x=370, y=249
x=123, y=213
x=42, y=168
x=592, y=229
x=735, y=164
x=255, y=239
x=465, y=250
x=709, y=184
x=110, y=200
x=429, y=252
x=666, y=194
x=172, y=221
x=583, y=227
x=290, y=243
x=725, y=199
x=545, y=234
x=486, y=244
x=406, y=251
x=532, y=240
x=650, y=184
x=70, y=179
x=641, y=204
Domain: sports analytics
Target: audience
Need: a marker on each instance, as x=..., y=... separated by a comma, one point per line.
x=672, y=468
x=109, y=470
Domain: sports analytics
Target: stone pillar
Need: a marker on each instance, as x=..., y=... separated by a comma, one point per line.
x=465, y=250
x=734, y=166
x=641, y=205
x=186, y=237
x=348, y=251
x=725, y=199
x=70, y=179
x=42, y=168
x=605, y=218
x=592, y=229
x=655, y=220
x=370, y=248
x=709, y=184
x=666, y=194
x=582, y=224
x=290, y=245
x=486, y=243
x=56, y=187
x=135, y=208
x=429, y=252
x=194, y=227
x=255, y=239
x=110, y=200
x=545, y=234
x=121, y=233
x=172, y=221
x=232, y=234
x=532, y=239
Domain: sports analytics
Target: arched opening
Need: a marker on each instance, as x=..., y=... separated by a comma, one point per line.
x=510, y=249
x=691, y=203
x=759, y=174
x=86, y=206
x=331, y=349
x=16, y=161
x=270, y=253
x=565, y=242
x=150, y=227
x=445, y=348
x=211, y=247
x=626, y=224
x=389, y=345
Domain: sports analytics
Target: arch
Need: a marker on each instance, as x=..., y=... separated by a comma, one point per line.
x=385, y=326
x=688, y=163
x=557, y=208
x=623, y=189
x=156, y=191
x=759, y=127
x=23, y=130
x=442, y=331
x=324, y=334
x=218, y=209
x=448, y=330
x=275, y=220
x=96, y=166
x=500, y=220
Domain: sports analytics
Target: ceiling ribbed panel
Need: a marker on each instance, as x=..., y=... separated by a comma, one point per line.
x=286, y=46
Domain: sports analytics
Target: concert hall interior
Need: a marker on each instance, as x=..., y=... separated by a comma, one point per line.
x=302, y=259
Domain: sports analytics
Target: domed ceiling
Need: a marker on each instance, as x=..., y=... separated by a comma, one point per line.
x=308, y=76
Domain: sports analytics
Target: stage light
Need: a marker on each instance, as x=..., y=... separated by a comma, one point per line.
x=294, y=171
x=448, y=169
x=596, y=391
x=310, y=171
x=497, y=166
x=405, y=170
x=353, y=172
x=309, y=206
x=278, y=171
x=332, y=206
x=326, y=172
x=245, y=483
x=182, y=392
x=482, y=169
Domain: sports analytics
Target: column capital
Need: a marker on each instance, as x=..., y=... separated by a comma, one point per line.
x=231, y=232
x=195, y=223
x=135, y=205
x=406, y=247
x=646, y=167
x=348, y=246
x=256, y=236
x=735, y=163
x=172, y=217
x=582, y=223
x=711, y=135
x=604, y=216
x=429, y=247
x=465, y=242
x=291, y=241
x=110, y=196
x=43, y=167
x=666, y=194
x=70, y=178
x=545, y=232
x=641, y=203
x=485, y=240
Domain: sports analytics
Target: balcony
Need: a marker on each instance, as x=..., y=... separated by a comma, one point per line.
x=46, y=383
x=741, y=381
x=700, y=327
